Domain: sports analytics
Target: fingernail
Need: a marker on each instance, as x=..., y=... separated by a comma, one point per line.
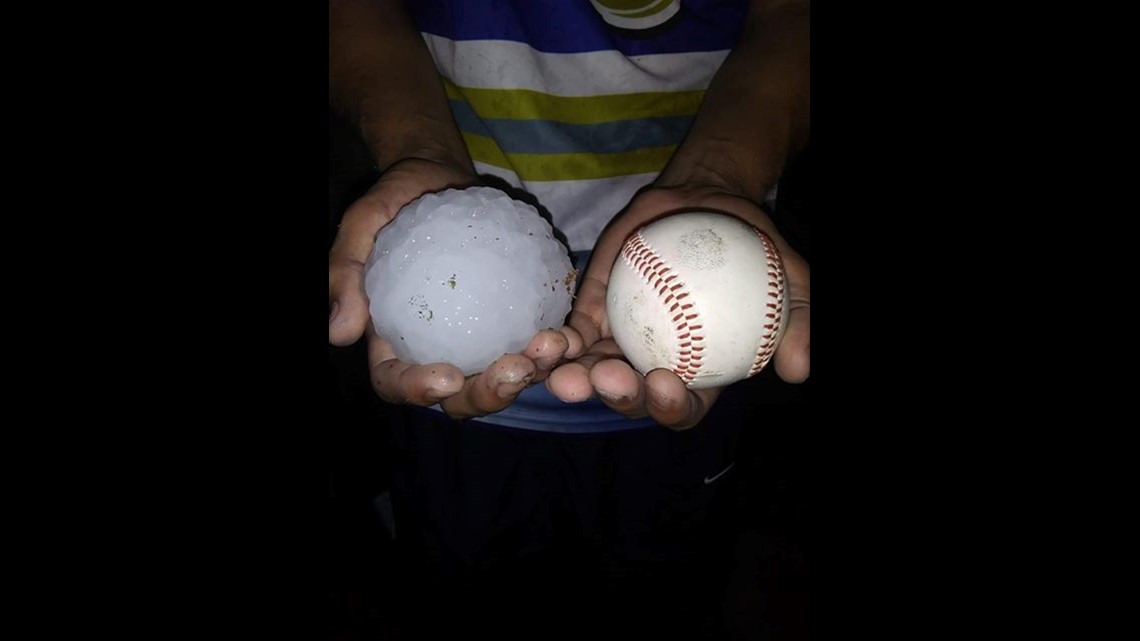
x=613, y=398
x=507, y=390
x=659, y=399
x=333, y=310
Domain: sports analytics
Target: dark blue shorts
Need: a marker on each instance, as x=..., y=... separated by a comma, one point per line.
x=510, y=527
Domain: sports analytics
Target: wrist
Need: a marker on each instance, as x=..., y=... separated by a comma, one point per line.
x=720, y=166
x=415, y=136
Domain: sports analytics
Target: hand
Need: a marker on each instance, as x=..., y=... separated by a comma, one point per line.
x=601, y=369
x=398, y=382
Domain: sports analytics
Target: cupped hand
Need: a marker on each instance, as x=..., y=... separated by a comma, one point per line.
x=349, y=319
x=602, y=369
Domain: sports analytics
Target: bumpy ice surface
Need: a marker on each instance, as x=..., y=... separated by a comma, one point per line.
x=465, y=276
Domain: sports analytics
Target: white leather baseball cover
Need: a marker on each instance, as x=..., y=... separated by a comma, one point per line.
x=700, y=294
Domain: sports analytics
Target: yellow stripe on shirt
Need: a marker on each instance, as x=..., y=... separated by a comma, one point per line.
x=573, y=166
x=525, y=104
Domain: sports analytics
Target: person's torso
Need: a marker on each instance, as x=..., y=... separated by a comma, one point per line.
x=553, y=98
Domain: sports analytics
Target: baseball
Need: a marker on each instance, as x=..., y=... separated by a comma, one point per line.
x=700, y=294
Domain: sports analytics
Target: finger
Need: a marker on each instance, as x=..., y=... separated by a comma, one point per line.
x=493, y=389
x=348, y=306
x=546, y=349
x=674, y=405
x=575, y=344
x=620, y=387
x=793, y=356
x=587, y=316
x=404, y=383
x=570, y=382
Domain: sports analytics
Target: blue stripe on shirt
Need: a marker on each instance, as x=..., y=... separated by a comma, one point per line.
x=546, y=137
x=574, y=26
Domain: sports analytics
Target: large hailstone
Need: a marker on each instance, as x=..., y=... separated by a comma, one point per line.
x=465, y=276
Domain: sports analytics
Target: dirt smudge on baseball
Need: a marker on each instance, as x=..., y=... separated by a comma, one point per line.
x=701, y=249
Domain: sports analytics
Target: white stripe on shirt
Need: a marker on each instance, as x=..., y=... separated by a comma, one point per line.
x=504, y=64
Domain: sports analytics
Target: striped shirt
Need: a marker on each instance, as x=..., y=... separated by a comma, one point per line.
x=579, y=102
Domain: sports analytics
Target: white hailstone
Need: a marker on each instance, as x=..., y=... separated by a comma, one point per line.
x=465, y=276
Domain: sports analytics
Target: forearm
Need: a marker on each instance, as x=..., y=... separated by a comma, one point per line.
x=383, y=80
x=756, y=112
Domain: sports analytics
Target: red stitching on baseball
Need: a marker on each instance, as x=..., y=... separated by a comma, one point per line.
x=776, y=273
x=643, y=260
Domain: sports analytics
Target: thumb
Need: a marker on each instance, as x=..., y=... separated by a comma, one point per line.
x=402, y=183
x=348, y=305
x=793, y=356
